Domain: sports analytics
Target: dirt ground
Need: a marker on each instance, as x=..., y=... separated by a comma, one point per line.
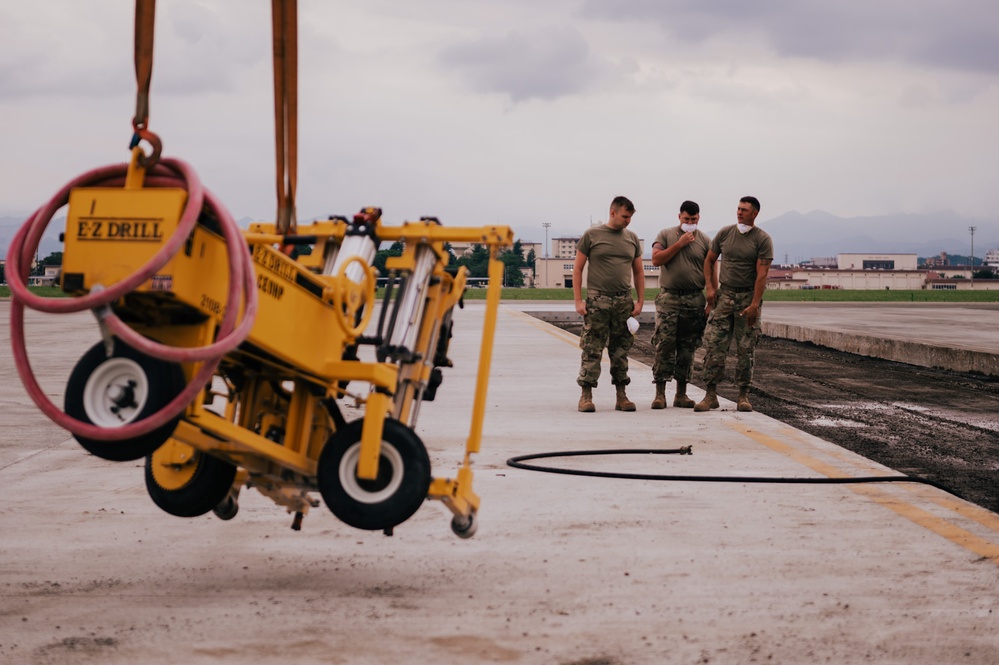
x=922, y=422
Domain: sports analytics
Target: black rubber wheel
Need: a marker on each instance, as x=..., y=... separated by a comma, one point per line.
x=465, y=527
x=227, y=509
x=115, y=391
x=188, y=484
x=400, y=488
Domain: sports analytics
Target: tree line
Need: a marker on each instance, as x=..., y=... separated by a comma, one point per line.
x=476, y=261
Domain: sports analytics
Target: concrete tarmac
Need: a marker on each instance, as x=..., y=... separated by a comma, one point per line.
x=954, y=336
x=564, y=569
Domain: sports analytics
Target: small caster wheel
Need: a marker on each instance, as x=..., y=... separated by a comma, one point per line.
x=186, y=482
x=464, y=527
x=227, y=509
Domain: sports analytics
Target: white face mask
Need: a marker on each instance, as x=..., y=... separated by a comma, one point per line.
x=744, y=229
x=688, y=228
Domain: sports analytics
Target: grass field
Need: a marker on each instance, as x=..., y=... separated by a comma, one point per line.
x=47, y=291
x=840, y=295
x=814, y=295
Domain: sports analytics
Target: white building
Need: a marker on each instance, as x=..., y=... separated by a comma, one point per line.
x=564, y=248
x=877, y=261
x=49, y=278
x=864, y=280
x=557, y=273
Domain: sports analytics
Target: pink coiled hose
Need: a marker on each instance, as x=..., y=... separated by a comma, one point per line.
x=242, y=289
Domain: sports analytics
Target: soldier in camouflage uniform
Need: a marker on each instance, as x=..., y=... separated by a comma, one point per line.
x=615, y=260
x=679, y=251
x=735, y=306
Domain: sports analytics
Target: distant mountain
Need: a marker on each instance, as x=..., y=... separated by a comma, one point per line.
x=799, y=237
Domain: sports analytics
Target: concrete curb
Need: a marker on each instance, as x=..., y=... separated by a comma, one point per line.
x=912, y=353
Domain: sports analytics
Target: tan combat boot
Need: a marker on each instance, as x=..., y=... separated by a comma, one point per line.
x=586, y=400
x=710, y=400
x=743, y=403
x=660, y=400
x=623, y=403
x=680, y=399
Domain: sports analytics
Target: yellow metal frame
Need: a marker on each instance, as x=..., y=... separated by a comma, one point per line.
x=293, y=359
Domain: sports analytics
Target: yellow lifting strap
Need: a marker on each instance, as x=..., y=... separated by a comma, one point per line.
x=145, y=13
x=285, y=30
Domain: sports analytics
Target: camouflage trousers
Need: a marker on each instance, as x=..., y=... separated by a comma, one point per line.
x=680, y=322
x=606, y=325
x=724, y=324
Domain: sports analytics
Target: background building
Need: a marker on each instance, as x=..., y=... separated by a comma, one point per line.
x=564, y=248
x=879, y=272
x=877, y=261
x=556, y=272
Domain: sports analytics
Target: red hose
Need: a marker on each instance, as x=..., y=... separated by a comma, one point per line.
x=168, y=173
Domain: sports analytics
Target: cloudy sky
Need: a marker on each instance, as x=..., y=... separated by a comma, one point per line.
x=521, y=111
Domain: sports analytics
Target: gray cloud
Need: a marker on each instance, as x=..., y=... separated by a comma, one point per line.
x=960, y=35
x=535, y=64
x=197, y=49
x=205, y=49
x=33, y=58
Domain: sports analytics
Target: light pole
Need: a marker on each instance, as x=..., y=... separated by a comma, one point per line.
x=547, y=226
x=972, y=229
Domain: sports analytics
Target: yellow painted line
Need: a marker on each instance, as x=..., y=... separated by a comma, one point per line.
x=827, y=470
x=563, y=335
x=970, y=511
x=554, y=331
x=980, y=546
x=937, y=525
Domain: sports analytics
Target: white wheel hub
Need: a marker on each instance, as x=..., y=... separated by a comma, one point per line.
x=115, y=393
x=390, y=462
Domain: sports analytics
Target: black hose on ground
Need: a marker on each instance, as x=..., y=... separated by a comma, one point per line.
x=518, y=463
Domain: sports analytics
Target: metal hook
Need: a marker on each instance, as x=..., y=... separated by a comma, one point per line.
x=143, y=134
